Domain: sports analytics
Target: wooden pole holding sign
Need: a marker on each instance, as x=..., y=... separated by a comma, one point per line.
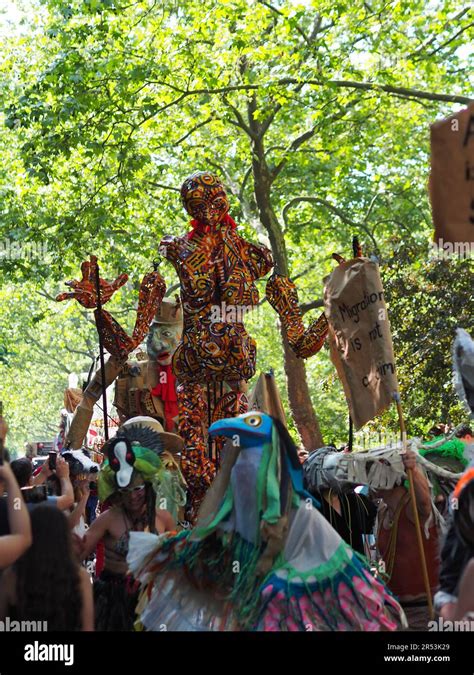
x=419, y=535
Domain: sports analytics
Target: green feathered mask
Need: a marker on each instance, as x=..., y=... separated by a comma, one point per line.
x=139, y=450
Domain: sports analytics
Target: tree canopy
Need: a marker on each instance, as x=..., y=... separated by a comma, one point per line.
x=315, y=114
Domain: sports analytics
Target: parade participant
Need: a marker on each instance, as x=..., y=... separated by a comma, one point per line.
x=14, y=544
x=46, y=584
x=77, y=517
x=458, y=548
x=141, y=480
x=465, y=605
x=398, y=547
x=260, y=557
x=451, y=455
x=457, y=555
x=83, y=471
x=352, y=515
x=457, y=447
x=146, y=385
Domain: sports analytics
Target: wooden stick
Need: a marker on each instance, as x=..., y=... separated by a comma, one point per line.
x=419, y=536
x=101, y=353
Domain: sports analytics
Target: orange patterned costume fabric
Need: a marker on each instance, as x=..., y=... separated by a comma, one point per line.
x=217, y=271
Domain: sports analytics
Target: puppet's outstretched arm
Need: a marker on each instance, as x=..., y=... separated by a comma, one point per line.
x=283, y=297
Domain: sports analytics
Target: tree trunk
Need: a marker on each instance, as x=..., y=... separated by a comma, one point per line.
x=299, y=398
x=297, y=385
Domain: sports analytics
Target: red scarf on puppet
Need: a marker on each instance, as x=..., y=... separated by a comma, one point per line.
x=166, y=391
x=200, y=228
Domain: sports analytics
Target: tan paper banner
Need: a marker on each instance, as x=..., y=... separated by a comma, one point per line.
x=452, y=182
x=360, y=339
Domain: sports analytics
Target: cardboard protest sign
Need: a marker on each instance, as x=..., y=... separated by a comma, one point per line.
x=360, y=339
x=452, y=181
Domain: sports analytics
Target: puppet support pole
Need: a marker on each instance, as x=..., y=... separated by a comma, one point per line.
x=101, y=353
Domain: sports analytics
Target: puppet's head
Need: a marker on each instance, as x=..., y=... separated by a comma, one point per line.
x=320, y=470
x=165, y=332
x=261, y=480
x=143, y=454
x=82, y=468
x=204, y=198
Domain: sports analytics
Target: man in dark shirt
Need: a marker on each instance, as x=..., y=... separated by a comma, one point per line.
x=352, y=515
x=458, y=550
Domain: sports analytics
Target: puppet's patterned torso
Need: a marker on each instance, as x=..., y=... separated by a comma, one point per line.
x=217, y=271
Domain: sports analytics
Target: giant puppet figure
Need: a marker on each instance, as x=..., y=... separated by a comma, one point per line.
x=216, y=357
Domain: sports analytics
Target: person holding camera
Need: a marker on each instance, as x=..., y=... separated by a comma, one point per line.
x=13, y=545
x=22, y=469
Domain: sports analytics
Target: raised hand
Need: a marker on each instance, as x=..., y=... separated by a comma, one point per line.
x=85, y=292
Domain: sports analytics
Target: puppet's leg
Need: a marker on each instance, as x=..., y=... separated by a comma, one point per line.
x=198, y=469
x=283, y=297
x=230, y=404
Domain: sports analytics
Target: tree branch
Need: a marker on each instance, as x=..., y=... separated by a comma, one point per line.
x=345, y=84
x=277, y=11
x=338, y=212
x=161, y=186
x=306, y=136
x=89, y=355
x=191, y=131
x=432, y=39
x=445, y=44
x=240, y=120
x=307, y=306
x=44, y=353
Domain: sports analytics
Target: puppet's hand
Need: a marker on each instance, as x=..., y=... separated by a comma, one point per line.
x=85, y=292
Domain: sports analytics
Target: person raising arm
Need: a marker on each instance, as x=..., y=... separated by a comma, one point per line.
x=66, y=500
x=13, y=545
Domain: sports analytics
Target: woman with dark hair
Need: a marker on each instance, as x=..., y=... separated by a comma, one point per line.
x=141, y=485
x=47, y=584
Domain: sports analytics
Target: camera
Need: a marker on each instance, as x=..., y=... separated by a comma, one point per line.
x=52, y=460
x=35, y=494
